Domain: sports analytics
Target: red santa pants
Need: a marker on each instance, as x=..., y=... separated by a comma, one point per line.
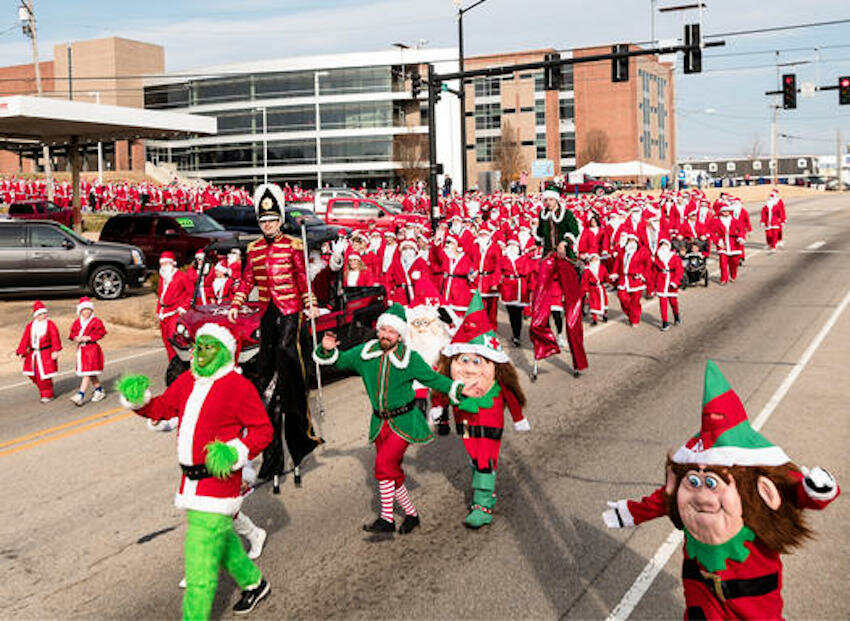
x=772, y=237
x=630, y=303
x=674, y=304
x=483, y=452
x=166, y=329
x=491, y=305
x=45, y=386
x=389, y=451
x=728, y=267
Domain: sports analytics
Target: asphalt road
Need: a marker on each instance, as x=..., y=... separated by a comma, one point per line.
x=88, y=529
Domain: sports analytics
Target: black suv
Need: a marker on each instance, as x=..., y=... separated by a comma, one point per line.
x=43, y=255
x=242, y=219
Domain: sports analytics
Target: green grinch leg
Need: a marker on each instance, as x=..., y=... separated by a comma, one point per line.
x=211, y=542
x=483, y=499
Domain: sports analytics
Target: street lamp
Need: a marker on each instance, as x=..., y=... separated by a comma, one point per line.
x=316, y=76
x=263, y=109
x=463, y=165
x=96, y=95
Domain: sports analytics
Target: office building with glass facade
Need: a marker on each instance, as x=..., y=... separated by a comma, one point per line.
x=342, y=117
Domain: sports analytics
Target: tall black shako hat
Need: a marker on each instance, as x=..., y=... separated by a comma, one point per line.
x=269, y=202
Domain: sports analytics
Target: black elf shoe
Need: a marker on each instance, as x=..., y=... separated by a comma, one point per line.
x=410, y=522
x=251, y=597
x=380, y=525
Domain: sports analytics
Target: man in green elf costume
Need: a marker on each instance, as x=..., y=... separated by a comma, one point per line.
x=222, y=423
x=740, y=500
x=388, y=367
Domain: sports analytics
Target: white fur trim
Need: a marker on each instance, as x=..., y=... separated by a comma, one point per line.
x=825, y=478
x=85, y=305
x=732, y=456
x=453, y=392
x=275, y=191
x=367, y=353
x=551, y=194
x=396, y=323
x=327, y=361
x=191, y=414
x=218, y=331
x=242, y=450
x=40, y=311
x=453, y=349
x=133, y=406
x=400, y=363
x=189, y=499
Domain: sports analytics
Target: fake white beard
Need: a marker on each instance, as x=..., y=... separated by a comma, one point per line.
x=374, y=245
x=429, y=342
x=593, y=229
x=455, y=229
x=726, y=220
x=316, y=265
x=38, y=330
x=664, y=253
x=631, y=248
x=483, y=242
x=635, y=219
x=218, y=284
x=523, y=237
x=512, y=253
x=166, y=272
x=407, y=258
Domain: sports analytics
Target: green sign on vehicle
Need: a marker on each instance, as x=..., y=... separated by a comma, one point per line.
x=186, y=223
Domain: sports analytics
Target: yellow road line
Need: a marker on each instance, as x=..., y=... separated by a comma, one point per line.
x=49, y=430
x=71, y=432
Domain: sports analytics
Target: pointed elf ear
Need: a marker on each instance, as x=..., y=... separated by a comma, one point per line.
x=670, y=485
x=769, y=493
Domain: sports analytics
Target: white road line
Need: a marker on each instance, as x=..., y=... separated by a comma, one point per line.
x=642, y=583
x=816, y=245
x=65, y=373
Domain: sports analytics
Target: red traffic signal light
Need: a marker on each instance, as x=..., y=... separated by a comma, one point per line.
x=844, y=90
x=789, y=91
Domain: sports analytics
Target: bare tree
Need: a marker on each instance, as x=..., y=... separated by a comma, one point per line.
x=597, y=148
x=507, y=155
x=753, y=149
x=411, y=151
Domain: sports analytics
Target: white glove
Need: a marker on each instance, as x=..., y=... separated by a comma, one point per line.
x=435, y=413
x=618, y=515
x=818, y=483
x=522, y=425
x=162, y=425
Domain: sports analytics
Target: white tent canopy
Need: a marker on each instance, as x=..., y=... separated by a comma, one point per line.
x=634, y=168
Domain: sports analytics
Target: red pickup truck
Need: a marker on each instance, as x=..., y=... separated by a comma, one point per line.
x=42, y=210
x=366, y=213
x=588, y=185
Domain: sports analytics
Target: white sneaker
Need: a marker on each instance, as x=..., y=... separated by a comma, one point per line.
x=99, y=395
x=77, y=399
x=562, y=342
x=257, y=539
x=46, y=399
x=182, y=583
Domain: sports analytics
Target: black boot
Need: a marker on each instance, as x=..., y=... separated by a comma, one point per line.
x=410, y=522
x=515, y=341
x=251, y=597
x=380, y=525
x=604, y=318
x=665, y=326
x=676, y=320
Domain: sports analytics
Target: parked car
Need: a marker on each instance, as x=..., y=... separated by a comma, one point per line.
x=43, y=255
x=364, y=213
x=587, y=185
x=350, y=312
x=42, y=210
x=321, y=197
x=181, y=232
x=241, y=218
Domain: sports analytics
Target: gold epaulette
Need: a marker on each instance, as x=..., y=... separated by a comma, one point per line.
x=254, y=244
x=295, y=242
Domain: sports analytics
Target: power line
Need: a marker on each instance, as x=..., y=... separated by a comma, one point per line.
x=741, y=33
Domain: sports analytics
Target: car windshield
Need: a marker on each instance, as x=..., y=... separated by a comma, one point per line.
x=293, y=215
x=197, y=223
x=74, y=235
x=391, y=206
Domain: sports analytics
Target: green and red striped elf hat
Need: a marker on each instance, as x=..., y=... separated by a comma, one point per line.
x=476, y=335
x=726, y=437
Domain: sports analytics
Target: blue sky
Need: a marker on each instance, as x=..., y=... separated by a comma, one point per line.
x=721, y=111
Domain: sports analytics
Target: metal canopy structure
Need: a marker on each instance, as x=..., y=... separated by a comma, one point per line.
x=26, y=122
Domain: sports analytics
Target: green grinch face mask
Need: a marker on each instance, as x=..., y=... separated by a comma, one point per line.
x=209, y=355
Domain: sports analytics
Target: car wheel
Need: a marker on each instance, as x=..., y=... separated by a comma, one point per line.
x=107, y=282
x=599, y=191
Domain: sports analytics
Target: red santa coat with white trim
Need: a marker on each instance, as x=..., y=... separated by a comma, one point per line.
x=773, y=216
x=728, y=236
x=517, y=280
x=591, y=242
x=37, y=351
x=487, y=263
x=89, y=353
x=592, y=284
x=457, y=286
x=668, y=274
x=178, y=294
x=223, y=407
x=632, y=270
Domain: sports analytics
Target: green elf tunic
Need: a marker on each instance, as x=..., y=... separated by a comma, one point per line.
x=388, y=378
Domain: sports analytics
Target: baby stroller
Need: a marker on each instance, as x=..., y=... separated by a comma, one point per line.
x=695, y=265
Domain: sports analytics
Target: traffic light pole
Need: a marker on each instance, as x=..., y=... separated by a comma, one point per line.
x=462, y=96
x=432, y=148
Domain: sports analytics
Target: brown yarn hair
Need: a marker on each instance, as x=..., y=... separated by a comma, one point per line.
x=506, y=375
x=780, y=530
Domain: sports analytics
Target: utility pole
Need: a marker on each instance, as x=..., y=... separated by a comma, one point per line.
x=774, y=159
x=70, y=79
x=838, y=159
x=26, y=15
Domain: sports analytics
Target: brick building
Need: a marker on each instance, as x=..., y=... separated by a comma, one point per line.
x=108, y=69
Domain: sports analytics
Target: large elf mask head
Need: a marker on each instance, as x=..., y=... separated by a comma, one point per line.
x=474, y=371
x=209, y=355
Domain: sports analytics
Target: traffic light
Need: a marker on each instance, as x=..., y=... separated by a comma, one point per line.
x=552, y=73
x=693, y=55
x=844, y=90
x=415, y=84
x=620, y=64
x=789, y=91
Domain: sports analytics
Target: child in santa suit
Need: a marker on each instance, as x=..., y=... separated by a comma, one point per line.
x=668, y=271
x=773, y=220
x=86, y=331
x=221, y=287
x=729, y=239
x=476, y=358
x=222, y=423
x=593, y=281
x=39, y=348
x=173, y=298
x=630, y=273
x=517, y=273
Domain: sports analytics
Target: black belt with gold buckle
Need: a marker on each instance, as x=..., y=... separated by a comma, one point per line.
x=388, y=414
x=730, y=589
x=195, y=473
x=466, y=430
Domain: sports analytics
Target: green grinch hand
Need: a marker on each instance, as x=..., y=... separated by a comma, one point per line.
x=133, y=388
x=220, y=459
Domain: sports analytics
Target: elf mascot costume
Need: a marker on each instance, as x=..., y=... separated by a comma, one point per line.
x=221, y=425
x=475, y=357
x=740, y=501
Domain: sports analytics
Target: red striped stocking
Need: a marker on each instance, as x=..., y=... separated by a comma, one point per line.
x=404, y=501
x=386, y=490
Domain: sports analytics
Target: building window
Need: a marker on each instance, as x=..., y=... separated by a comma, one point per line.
x=712, y=167
x=566, y=77
x=356, y=115
x=484, y=149
x=801, y=163
x=757, y=165
x=509, y=111
x=527, y=109
x=538, y=81
x=356, y=80
x=488, y=116
x=423, y=113
x=568, y=145
x=487, y=87
x=540, y=112
x=540, y=144
x=527, y=143
x=566, y=109
x=730, y=166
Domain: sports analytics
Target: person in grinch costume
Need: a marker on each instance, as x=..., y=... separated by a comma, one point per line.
x=388, y=367
x=222, y=424
x=740, y=501
x=476, y=358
